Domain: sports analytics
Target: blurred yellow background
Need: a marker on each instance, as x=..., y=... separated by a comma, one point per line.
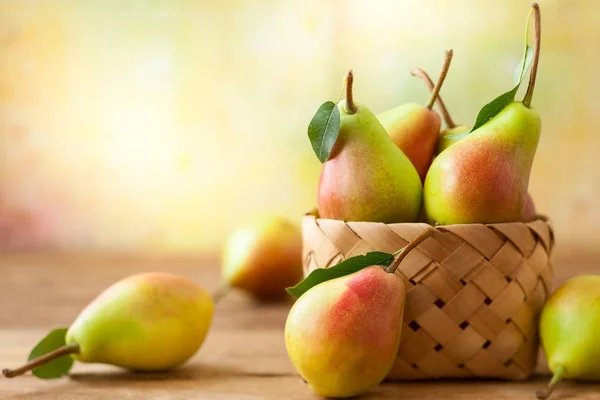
x=157, y=126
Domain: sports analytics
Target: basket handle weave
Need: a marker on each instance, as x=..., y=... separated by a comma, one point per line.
x=407, y=249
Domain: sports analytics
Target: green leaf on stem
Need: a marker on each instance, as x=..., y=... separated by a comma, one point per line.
x=346, y=267
x=55, y=368
x=323, y=130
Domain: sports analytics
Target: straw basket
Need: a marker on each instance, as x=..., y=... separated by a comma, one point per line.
x=474, y=292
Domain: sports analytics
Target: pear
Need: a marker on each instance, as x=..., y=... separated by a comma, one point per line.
x=416, y=129
x=342, y=335
x=367, y=177
x=147, y=322
x=264, y=257
x=484, y=177
x=569, y=330
x=453, y=132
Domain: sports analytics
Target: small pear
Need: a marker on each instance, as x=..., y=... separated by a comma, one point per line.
x=569, y=331
x=342, y=335
x=453, y=132
x=416, y=129
x=484, y=177
x=264, y=257
x=147, y=322
x=367, y=177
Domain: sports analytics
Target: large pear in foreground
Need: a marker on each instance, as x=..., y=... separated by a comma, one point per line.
x=343, y=335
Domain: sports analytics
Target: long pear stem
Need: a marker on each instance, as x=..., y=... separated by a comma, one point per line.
x=441, y=78
x=350, y=106
x=72, y=348
x=559, y=372
x=418, y=72
x=220, y=293
x=403, y=252
x=536, y=58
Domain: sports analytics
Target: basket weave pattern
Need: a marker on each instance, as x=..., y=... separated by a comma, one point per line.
x=474, y=292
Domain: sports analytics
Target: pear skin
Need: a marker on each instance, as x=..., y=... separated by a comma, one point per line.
x=415, y=129
x=484, y=177
x=342, y=335
x=569, y=330
x=529, y=212
x=367, y=177
x=264, y=257
x=147, y=322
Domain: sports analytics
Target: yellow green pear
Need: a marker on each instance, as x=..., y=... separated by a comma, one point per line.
x=367, y=177
x=342, y=335
x=415, y=128
x=264, y=257
x=147, y=322
x=569, y=331
x=484, y=177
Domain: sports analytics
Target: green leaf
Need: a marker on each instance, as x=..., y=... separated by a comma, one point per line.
x=491, y=109
x=323, y=130
x=55, y=368
x=346, y=267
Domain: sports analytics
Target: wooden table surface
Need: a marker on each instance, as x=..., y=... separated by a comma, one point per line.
x=242, y=358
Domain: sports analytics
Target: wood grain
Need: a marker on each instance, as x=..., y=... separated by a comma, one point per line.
x=243, y=357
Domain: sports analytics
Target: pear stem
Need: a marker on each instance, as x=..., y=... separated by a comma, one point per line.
x=71, y=348
x=441, y=78
x=350, y=107
x=220, y=293
x=559, y=372
x=418, y=72
x=400, y=254
x=536, y=58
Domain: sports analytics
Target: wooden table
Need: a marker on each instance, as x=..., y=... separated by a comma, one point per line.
x=243, y=358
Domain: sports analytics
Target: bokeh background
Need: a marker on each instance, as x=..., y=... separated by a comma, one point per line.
x=159, y=125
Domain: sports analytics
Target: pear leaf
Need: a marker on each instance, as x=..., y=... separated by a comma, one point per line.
x=491, y=109
x=346, y=267
x=323, y=130
x=55, y=368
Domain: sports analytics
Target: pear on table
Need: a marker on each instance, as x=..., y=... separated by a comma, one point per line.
x=484, y=177
x=342, y=335
x=147, y=322
x=367, y=177
x=415, y=128
x=264, y=257
x=569, y=331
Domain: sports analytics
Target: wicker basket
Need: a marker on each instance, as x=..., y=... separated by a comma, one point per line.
x=474, y=291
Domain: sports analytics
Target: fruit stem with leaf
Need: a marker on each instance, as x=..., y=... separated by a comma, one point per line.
x=350, y=107
x=420, y=73
x=438, y=85
x=72, y=348
x=538, y=39
x=559, y=372
x=403, y=252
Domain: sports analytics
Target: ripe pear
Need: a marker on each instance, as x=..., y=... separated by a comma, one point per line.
x=484, y=177
x=147, y=322
x=415, y=128
x=342, y=335
x=453, y=132
x=367, y=177
x=569, y=331
x=264, y=257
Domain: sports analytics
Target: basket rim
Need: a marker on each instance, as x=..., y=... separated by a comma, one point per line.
x=313, y=213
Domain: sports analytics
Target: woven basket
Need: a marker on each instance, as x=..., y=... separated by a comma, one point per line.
x=474, y=291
